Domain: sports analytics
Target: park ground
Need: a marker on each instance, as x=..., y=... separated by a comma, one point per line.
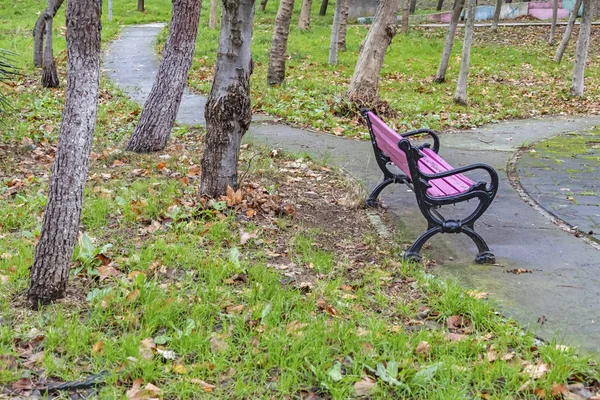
x=282, y=289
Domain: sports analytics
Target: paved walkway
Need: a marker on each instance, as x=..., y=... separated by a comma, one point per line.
x=563, y=288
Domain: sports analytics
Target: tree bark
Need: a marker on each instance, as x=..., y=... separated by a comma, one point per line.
x=212, y=20
x=50, y=271
x=49, y=72
x=460, y=96
x=364, y=84
x=323, y=10
x=343, y=27
x=440, y=4
x=228, y=110
x=263, y=5
x=405, y=16
x=413, y=7
x=335, y=32
x=496, y=19
x=553, y=26
x=304, y=20
x=158, y=116
x=39, y=31
x=440, y=76
x=141, y=7
x=110, y=15
x=581, y=52
x=276, y=70
x=560, y=51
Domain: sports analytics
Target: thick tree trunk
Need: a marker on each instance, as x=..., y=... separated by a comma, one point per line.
x=49, y=72
x=212, y=20
x=343, y=27
x=581, y=52
x=364, y=84
x=141, y=7
x=553, y=26
x=228, y=111
x=560, y=51
x=39, y=31
x=413, y=7
x=460, y=96
x=276, y=70
x=323, y=10
x=405, y=16
x=440, y=4
x=50, y=270
x=335, y=32
x=496, y=15
x=304, y=20
x=440, y=76
x=158, y=116
x=263, y=5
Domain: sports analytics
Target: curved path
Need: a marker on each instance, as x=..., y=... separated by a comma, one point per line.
x=563, y=289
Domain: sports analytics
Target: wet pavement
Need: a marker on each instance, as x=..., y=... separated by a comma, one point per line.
x=558, y=297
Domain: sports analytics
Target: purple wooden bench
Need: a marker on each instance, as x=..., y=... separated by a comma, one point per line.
x=434, y=182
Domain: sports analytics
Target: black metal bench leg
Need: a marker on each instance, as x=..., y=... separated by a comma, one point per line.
x=372, y=199
x=485, y=256
x=412, y=254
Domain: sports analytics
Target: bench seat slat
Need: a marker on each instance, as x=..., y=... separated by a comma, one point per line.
x=466, y=182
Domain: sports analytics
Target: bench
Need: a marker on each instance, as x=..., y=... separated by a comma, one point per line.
x=434, y=182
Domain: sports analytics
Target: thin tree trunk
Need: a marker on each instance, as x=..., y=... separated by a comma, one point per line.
x=440, y=76
x=50, y=271
x=335, y=32
x=440, y=4
x=323, y=10
x=228, y=111
x=110, y=15
x=581, y=52
x=49, y=73
x=39, y=31
x=496, y=19
x=276, y=70
x=460, y=96
x=364, y=84
x=304, y=20
x=405, y=16
x=560, y=51
x=553, y=26
x=263, y=5
x=413, y=7
x=343, y=27
x=141, y=7
x=212, y=20
x=158, y=116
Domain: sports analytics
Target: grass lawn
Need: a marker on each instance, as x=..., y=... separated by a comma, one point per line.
x=282, y=290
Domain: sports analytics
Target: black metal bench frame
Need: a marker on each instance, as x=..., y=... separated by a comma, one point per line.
x=418, y=181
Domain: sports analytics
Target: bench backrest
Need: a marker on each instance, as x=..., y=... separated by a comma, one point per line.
x=387, y=141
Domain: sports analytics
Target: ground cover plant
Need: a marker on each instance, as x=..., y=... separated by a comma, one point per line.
x=512, y=75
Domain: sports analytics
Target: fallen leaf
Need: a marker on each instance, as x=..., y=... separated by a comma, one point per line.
x=147, y=348
x=133, y=296
x=245, y=236
x=557, y=389
x=476, y=294
x=423, y=348
x=23, y=384
x=97, y=347
x=459, y=324
x=535, y=371
x=207, y=387
x=364, y=387
x=106, y=270
x=148, y=392
x=217, y=345
x=294, y=328
x=180, y=369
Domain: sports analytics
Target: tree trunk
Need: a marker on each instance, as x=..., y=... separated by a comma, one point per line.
x=560, y=51
x=228, y=110
x=335, y=32
x=304, y=21
x=364, y=84
x=39, y=31
x=158, y=116
x=141, y=7
x=110, y=10
x=405, y=16
x=50, y=270
x=49, y=73
x=323, y=10
x=440, y=4
x=343, y=27
x=440, y=76
x=496, y=19
x=553, y=26
x=263, y=5
x=413, y=7
x=581, y=52
x=212, y=20
x=460, y=96
x=276, y=70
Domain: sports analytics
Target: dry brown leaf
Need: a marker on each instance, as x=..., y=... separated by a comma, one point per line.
x=456, y=337
x=423, y=348
x=133, y=296
x=207, y=387
x=233, y=197
x=492, y=356
x=180, y=369
x=365, y=386
x=148, y=392
x=106, y=270
x=194, y=170
x=245, y=236
x=97, y=347
x=217, y=344
x=476, y=294
x=23, y=384
x=367, y=349
x=508, y=356
x=294, y=328
x=535, y=371
x=147, y=348
x=459, y=324
x=540, y=393
x=558, y=389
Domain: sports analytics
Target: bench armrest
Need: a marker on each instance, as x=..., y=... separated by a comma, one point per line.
x=433, y=134
x=460, y=170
